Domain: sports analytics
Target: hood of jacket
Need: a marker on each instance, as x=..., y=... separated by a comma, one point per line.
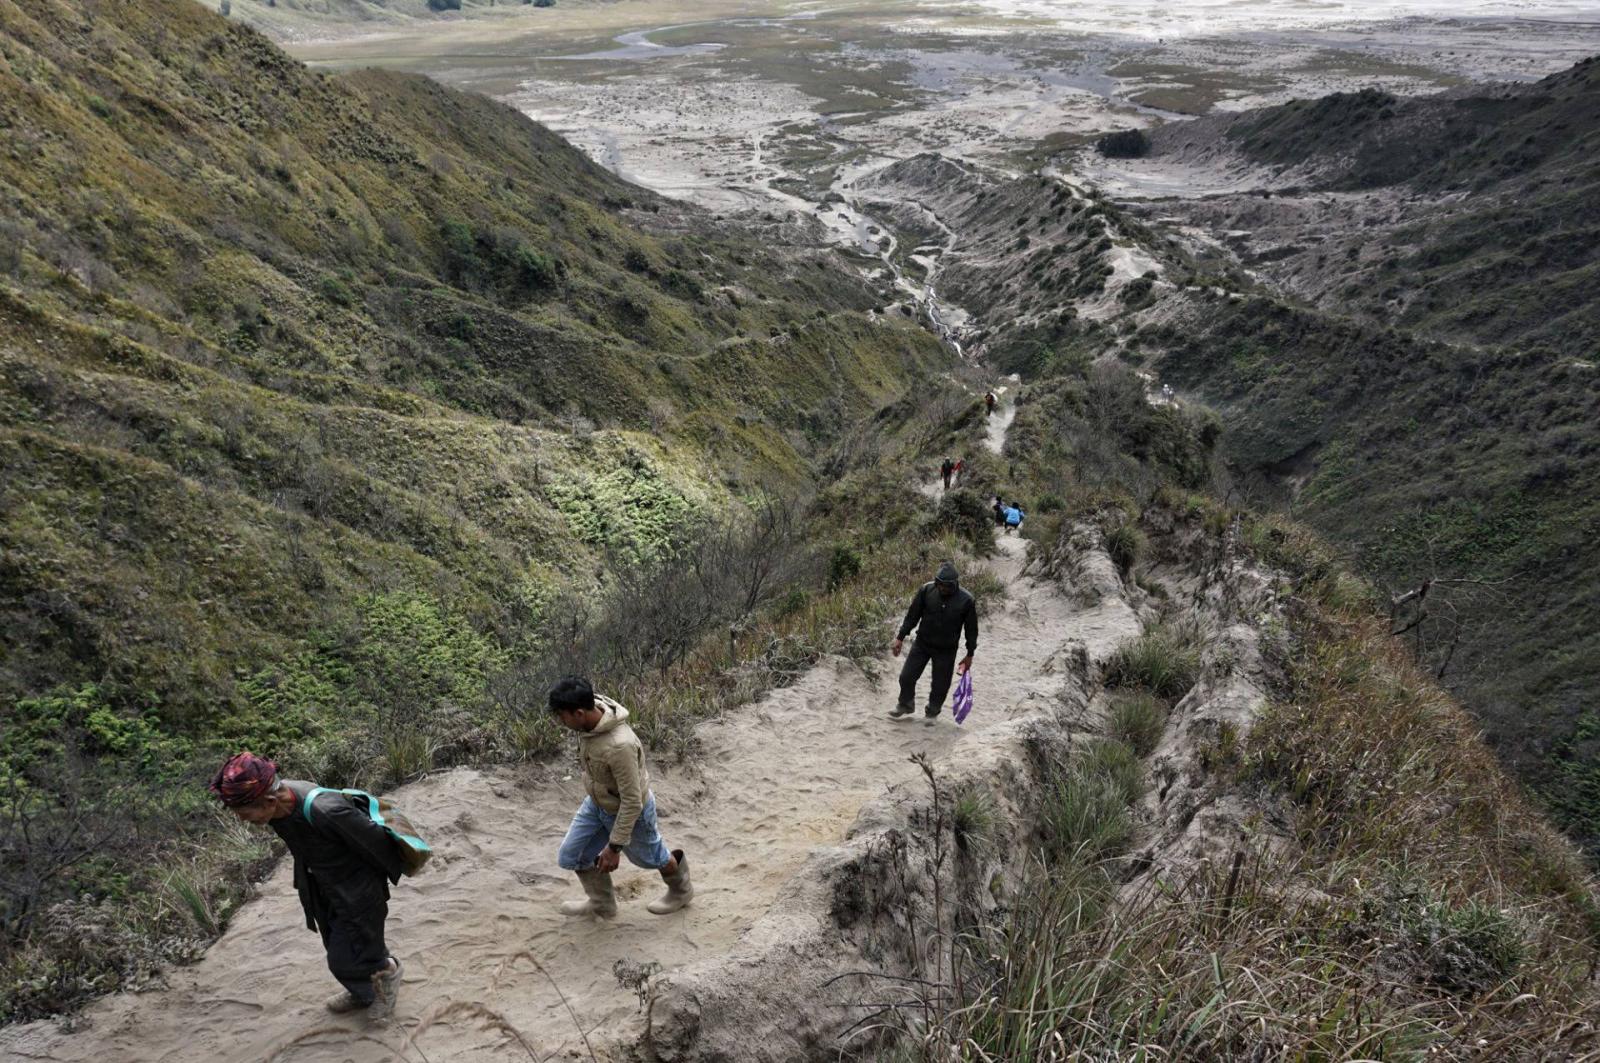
x=614, y=714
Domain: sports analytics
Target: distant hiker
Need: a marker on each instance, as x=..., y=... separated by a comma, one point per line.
x=988, y=403
x=344, y=863
x=940, y=611
x=999, y=508
x=619, y=814
x=947, y=470
x=1014, y=518
x=961, y=468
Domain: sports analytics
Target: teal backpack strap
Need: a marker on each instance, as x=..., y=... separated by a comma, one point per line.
x=311, y=795
x=373, y=812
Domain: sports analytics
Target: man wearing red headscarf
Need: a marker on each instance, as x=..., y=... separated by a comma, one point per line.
x=343, y=865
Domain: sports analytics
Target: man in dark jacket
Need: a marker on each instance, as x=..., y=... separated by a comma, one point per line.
x=343, y=865
x=940, y=612
x=946, y=470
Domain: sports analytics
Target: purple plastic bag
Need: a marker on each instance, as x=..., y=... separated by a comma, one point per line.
x=963, y=701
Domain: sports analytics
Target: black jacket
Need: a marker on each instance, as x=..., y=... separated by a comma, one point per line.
x=341, y=857
x=939, y=620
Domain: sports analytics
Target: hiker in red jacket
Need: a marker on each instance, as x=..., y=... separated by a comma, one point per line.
x=343, y=866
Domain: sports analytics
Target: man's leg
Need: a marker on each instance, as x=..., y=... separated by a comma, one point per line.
x=350, y=999
x=646, y=849
x=586, y=838
x=910, y=672
x=353, y=935
x=944, y=668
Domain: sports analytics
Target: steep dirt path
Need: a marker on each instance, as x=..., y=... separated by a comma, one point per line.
x=994, y=435
x=484, y=948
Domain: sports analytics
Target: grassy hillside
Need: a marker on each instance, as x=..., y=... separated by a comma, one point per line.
x=1501, y=243
x=1416, y=373
x=1429, y=461
x=328, y=402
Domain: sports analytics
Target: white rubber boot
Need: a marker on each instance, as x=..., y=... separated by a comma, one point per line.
x=679, y=889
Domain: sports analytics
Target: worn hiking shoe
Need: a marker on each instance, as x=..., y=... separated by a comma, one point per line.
x=929, y=718
x=385, y=993
x=345, y=1003
x=900, y=712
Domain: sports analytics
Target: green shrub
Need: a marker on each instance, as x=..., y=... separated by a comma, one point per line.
x=844, y=564
x=1085, y=820
x=1468, y=949
x=963, y=513
x=1116, y=764
x=336, y=291
x=1125, y=544
x=1165, y=660
x=408, y=754
x=535, y=270
x=793, y=602
x=1137, y=718
x=1086, y=816
x=972, y=817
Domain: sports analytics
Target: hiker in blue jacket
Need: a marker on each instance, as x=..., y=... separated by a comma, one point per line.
x=940, y=612
x=343, y=866
x=1014, y=518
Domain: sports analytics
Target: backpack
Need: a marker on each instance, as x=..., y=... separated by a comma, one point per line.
x=414, y=852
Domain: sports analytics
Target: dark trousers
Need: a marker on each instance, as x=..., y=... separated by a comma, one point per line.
x=352, y=934
x=944, y=669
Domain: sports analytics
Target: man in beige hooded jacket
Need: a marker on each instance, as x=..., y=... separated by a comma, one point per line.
x=619, y=814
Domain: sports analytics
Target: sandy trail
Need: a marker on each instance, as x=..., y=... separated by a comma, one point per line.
x=480, y=928
x=994, y=434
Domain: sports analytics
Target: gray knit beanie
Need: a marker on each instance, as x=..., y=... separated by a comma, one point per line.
x=948, y=573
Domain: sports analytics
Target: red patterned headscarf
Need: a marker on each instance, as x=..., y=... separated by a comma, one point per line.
x=244, y=779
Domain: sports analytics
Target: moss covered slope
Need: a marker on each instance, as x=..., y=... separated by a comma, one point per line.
x=283, y=353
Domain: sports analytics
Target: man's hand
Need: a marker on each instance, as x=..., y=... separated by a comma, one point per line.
x=895, y=649
x=963, y=665
x=609, y=860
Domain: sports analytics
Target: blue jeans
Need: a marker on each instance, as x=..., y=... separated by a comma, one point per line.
x=591, y=830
